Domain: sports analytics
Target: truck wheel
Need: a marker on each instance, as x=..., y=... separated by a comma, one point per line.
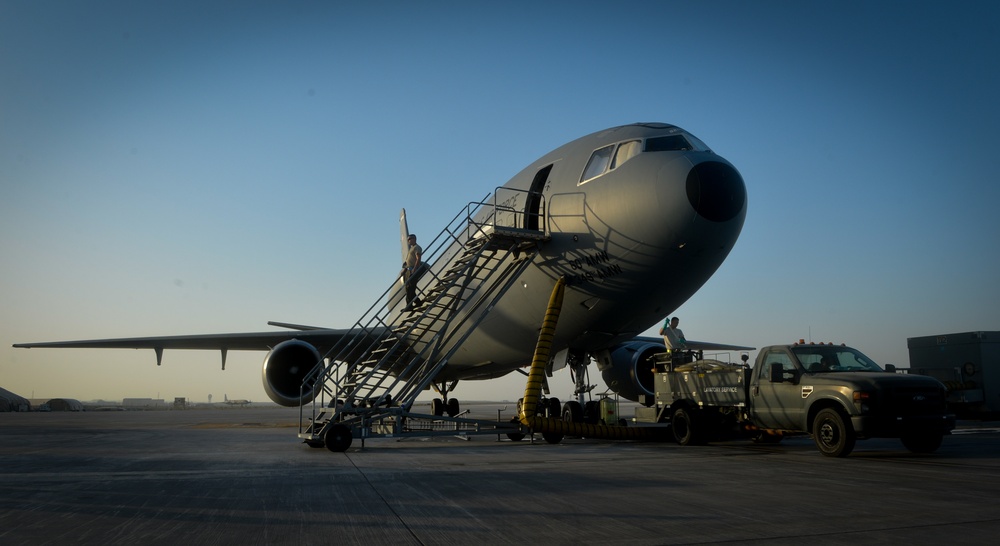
x=834, y=436
x=922, y=443
x=685, y=426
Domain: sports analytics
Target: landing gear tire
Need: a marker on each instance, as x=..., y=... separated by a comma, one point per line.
x=452, y=407
x=592, y=412
x=338, y=438
x=553, y=408
x=572, y=412
x=684, y=423
x=437, y=407
x=834, y=435
x=922, y=443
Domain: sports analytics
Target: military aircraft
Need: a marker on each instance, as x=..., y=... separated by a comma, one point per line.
x=238, y=402
x=636, y=218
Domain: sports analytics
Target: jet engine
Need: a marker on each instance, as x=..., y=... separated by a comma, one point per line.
x=285, y=367
x=627, y=369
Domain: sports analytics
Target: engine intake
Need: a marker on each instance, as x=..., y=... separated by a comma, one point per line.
x=285, y=368
x=627, y=369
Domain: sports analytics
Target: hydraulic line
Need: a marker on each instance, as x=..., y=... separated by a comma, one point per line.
x=533, y=389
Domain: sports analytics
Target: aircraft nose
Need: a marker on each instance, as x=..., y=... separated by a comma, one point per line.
x=716, y=191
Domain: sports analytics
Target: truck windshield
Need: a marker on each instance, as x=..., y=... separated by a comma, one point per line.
x=816, y=359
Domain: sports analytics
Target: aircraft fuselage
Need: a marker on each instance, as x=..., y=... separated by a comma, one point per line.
x=635, y=239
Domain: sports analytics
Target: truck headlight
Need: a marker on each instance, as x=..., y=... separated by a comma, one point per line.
x=862, y=400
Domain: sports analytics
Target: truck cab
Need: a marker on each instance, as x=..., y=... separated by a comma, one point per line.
x=838, y=395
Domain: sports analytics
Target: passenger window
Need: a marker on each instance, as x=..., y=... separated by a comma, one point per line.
x=626, y=151
x=598, y=163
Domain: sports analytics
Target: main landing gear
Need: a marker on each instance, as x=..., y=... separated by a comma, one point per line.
x=439, y=406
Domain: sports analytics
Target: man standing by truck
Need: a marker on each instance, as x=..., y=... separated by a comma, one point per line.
x=673, y=337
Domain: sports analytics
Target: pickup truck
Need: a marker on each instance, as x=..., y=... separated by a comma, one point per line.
x=833, y=392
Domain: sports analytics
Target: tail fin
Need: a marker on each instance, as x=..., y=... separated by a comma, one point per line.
x=396, y=296
x=404, y=232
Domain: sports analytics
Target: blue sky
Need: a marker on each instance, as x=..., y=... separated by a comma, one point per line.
x=204, y=167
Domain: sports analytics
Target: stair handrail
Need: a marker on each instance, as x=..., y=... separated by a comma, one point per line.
x=330, y=368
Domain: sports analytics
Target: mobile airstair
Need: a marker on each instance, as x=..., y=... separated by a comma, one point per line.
x=366, y=385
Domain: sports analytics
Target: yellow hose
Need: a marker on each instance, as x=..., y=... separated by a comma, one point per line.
x=533, y=389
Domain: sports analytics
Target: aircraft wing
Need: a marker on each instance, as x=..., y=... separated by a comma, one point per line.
x=321, y=338
x=255, y=341
x=702, y=345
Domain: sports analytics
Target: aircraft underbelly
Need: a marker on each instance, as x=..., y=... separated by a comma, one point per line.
x=600, y=306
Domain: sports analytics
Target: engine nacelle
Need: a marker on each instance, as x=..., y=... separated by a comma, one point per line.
x=627, y=369
x=285, y=367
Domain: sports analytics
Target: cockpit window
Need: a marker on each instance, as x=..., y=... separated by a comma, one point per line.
x=626, y=151
x=598, y=163
x=670, y=143
x=609, y=158
x=698, y=145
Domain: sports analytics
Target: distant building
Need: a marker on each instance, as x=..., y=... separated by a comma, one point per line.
x=143, y=403
x=12, y=402
x=65, y=404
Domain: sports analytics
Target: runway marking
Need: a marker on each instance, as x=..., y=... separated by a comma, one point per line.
x=975, y=431
x=385, y=501
x=126, y=475
x=242, y=425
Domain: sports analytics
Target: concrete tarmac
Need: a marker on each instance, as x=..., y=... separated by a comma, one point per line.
x=240, y=476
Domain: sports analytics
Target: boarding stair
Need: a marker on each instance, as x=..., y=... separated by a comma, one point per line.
x=369, y=381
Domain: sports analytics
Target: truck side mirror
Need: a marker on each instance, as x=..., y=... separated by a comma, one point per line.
x=891, y=368
x=777, y=372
